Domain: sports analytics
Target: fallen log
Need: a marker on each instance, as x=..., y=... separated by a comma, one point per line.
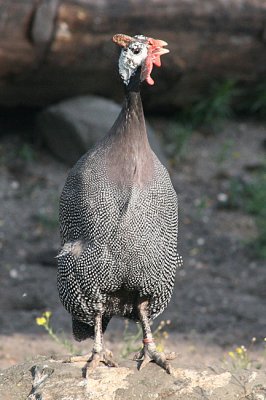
x=52, y=49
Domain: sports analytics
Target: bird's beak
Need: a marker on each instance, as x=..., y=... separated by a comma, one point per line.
x=155, y=51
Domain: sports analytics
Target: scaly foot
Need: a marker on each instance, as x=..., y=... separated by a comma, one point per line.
x=105, y=357
x=93, y=360
x=149, y=353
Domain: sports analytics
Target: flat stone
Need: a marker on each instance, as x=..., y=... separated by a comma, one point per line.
x=72, y=127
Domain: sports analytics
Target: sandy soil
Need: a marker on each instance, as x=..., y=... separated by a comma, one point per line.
x=219, y=297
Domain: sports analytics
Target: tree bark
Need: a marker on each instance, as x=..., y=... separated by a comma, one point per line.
x=52, y=49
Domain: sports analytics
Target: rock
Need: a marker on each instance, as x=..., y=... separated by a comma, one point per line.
x=71, y=127
x=50, y=379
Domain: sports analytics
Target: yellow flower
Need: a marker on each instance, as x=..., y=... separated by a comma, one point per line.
x=47, y=314
x=40, y=321
x=231, y=354
x=160, y=347
x=239, y=350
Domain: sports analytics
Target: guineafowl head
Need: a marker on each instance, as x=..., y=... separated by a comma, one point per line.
x=139, y=53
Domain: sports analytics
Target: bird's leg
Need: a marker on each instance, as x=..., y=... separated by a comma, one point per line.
x=98, y=353
x=148, y=352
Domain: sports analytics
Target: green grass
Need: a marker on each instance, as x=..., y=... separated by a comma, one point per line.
x=177, y=137
x=225, y=152
x=215, y=106
x=45, y=322
x=259, y=104
x=27, y=153
x=226, y=99
x=132, y=338
x=241, y=357
x=209, y=111
x=49, y=222
x=251, y=197
x=255, y=204
x=252, y=101
x=47, y=218
x=223, y=100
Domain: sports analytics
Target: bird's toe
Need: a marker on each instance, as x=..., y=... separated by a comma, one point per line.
x=148, y=354
x=144, y=362
x=139, y=355
x=82, y=358
x=104, y=357
x=93, y=360
x=160, y=359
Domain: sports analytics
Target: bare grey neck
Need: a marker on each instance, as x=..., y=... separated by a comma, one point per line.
x=130, y=156
x=131, y=122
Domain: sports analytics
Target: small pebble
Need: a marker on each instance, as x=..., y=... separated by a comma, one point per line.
x=222, y=197
x=14, y=185
x=200, y=241
x=13, y=273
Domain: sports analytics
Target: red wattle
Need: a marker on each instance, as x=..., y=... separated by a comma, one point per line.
x=149, y=80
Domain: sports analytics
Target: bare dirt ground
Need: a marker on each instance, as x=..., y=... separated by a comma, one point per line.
x=219, y=297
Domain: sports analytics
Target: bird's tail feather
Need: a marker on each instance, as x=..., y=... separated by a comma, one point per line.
x=82, y=331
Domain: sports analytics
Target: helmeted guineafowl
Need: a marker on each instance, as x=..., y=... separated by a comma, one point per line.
x=119, y=222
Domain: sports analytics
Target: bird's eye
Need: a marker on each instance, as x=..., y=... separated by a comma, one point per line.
x=136, y=51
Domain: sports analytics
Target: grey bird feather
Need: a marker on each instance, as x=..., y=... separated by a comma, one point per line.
x=119, y=225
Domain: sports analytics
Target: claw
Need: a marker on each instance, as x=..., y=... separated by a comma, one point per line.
x=73, y=359
x=139, y=355
x=145, y=362
x=104, y=357
x=149, y=353
x=93, y=360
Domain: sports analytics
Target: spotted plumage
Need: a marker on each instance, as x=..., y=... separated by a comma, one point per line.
x=119, y=225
